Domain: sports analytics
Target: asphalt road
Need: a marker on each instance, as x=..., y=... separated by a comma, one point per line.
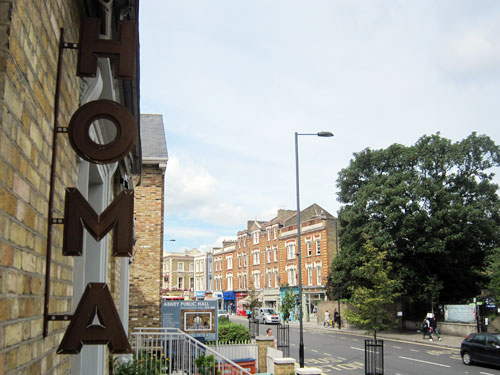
x=342, y=353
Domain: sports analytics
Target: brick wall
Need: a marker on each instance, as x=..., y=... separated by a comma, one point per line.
x=29, y=37
x=146, y=269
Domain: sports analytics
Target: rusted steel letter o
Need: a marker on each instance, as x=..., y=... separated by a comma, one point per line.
x=84, y=146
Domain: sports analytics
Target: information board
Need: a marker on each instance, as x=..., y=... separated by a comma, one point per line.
x=459, y=313
x=196, y=318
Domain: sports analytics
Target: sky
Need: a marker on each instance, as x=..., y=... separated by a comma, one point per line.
x=234, y=80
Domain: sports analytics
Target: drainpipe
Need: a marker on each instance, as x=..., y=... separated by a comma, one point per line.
x=107, y=8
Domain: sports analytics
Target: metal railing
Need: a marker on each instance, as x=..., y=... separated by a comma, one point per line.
x=236, y=349
x=164, y=351
x=374, y=357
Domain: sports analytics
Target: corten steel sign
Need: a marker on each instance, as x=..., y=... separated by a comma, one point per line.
x=96, y=320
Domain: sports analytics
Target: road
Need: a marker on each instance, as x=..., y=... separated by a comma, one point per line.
x=342, y=353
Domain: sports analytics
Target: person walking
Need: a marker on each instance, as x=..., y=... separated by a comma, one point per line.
x=336, y=318
x=433, y=327
x=326, y=322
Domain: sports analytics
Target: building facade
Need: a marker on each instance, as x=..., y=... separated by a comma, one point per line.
x=179, y=274
x=146, y=265
x=43, y=161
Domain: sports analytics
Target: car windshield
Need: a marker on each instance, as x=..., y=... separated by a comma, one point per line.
x=269, y=311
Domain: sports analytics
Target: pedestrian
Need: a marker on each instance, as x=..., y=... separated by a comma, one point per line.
x=425, y=327
x=270, y=334
x=249, y=313
x=326, y=322
x=433, y=327
x=336, y=318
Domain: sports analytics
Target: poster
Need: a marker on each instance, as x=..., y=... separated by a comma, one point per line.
x=196, y=318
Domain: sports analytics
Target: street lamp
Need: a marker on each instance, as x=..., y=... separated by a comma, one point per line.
x=301, y=310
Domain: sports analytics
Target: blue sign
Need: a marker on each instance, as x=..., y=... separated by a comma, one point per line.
x=228, y=295
x=196, y=318
x=200, y=294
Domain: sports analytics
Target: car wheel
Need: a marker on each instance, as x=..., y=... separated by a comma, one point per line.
x=466, y=359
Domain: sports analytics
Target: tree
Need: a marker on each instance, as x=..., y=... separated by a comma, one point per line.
x=288, y=303
x=432, y=206
x=371, y=300
x=253, y=299
x=492, y=272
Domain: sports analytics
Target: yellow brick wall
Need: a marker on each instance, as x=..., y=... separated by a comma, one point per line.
x=29, y=39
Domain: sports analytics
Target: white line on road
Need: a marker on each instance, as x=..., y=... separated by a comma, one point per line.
x=352, y=347
x=314, y=351
x=396, y=347
x=415, y=350
x=419, y=360
x=486, y=373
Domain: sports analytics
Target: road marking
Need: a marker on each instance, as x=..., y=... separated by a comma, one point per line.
x=419, y=360
x=486, y=373
x=352, y=347
x=327, y=354
x=397, y=347
x=314, y=351
x=415, y=350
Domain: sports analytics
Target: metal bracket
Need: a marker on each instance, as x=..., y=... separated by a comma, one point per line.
x=70, y=45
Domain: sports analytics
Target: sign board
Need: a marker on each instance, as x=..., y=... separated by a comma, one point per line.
x=459, y=313
x=196, y=318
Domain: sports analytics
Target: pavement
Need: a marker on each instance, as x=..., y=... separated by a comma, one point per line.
x=448, y=341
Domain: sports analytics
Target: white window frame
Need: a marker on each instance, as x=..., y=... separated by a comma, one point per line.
x=309, y=247
x=180, y=283
x=319, y=280
x=255, y=238
x=290, y=250
x=317, y=242
x=309, y=269
x=229, y=263
x=180, y=266
x=275, y=253
x=275, y=233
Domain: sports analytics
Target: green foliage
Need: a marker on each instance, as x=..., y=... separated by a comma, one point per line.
x=371, y=301
x=205, y=364
x=229, y=331
x=146, y=364
x=492, y=272
x=432, y=206
x=288, y=303
x=253, y=299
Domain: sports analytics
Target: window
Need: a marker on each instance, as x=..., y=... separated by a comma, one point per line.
x=290, y=250
x=318, y=244
x=256, y=257
x=180, y=283
x=276, y=278
x=269, y=234
x=269, y=279
x=230, y=263
x=268, y=254
x=292, y=276
x=309, y=275
x=255, y=238
x=318, y=274
x=275, y=233
x=191, y=267
x=180, y=266
x=230, y=282
x=191, y=283
x=244, y=281
x=245, y=260
x=256, y=279
x=275, y=253
x=309, y=248
x=239, y=260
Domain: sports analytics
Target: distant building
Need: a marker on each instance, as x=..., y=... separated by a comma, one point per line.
x=178, y=274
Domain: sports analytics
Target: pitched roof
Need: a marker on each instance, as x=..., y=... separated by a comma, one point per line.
x=154, y=145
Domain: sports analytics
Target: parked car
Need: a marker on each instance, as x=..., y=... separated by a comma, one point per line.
x=222, y=314
x=481, y=348
x=267, y=315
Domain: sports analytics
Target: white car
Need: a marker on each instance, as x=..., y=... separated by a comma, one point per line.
x=267, y=315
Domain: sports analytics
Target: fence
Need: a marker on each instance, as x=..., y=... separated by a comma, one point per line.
x=283, y=340
x=253, y=327
x=162, y=351
x=236, y=349
x=374, y=357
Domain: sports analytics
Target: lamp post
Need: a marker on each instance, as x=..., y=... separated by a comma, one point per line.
x=301, y=310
